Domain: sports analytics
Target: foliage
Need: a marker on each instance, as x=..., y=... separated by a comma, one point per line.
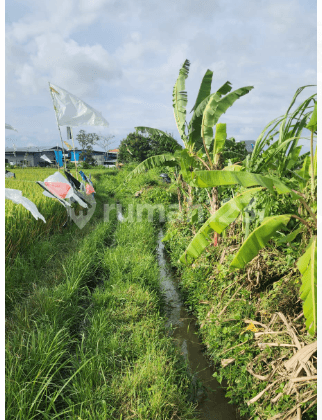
x=284, y=133
x=287, y=152
x=258, y=239
x=202, y=150
x=223, y=300
x=137, y=146
x=307, y=265
x=217, y=222
x=87, y=140
x=233, y=152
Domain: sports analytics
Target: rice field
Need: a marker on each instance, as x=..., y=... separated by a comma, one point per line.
x=22, y=228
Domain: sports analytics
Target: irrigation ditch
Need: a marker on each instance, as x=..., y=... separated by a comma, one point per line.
x=206, y=391
x=210, y=395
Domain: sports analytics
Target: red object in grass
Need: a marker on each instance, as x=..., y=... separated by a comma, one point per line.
x=215, y=239
x=89, y=189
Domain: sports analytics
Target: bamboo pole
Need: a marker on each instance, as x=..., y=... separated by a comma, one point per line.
x=62, y=144
x=57, y=155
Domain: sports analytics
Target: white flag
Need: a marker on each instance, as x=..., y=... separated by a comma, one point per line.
x=9, y=127
x=72, y=111
x=17, y=197
x=46, y=158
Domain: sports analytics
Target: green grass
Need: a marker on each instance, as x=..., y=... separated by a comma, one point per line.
x=43, y=330
x=22, y=229
x=84, y=336
x=133, y=369
x=41, y=261
x=221, y=300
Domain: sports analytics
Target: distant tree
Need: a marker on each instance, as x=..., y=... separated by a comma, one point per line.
x=134, y=148
x=235, y=151
x=162, y=144
x=137, y=147
x=105, y=143
x=87, y=141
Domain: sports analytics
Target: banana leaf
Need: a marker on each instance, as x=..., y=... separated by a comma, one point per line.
x=224, y=89
x=205, y=88
x=156, y=131
x=307, y=264
x=312, y=125
x=153, y=162
x=214, y=110
x=217, y=222
x=205, y=179
x=180, y=98
x=258, y=239
x=195, y=138
x=220, y=139
x=233, y=167
x=290, y=237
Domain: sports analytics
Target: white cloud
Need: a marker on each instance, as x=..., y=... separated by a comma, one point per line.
x=134, y=52
x=65, y=62
x=124, y=57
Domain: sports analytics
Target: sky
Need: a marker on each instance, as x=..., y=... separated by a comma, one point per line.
x=123, y=58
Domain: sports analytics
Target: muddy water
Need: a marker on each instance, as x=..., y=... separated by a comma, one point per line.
x=212, y=404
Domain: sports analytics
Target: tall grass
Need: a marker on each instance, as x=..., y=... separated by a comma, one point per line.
x=22, y=229
x=133, y=370
x=87, y=341
x=38, y=250
x=42, y=332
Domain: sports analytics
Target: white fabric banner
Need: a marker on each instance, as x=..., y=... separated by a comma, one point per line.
x=46, y=158
x=9, y=127
x=72, y=111
x=16, y=197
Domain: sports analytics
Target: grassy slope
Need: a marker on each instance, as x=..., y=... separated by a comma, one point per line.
x=74, y=351
x=222, y=300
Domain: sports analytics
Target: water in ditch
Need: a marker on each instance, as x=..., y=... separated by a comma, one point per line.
x=212, y=403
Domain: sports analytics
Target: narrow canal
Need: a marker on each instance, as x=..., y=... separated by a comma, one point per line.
x=212, y=403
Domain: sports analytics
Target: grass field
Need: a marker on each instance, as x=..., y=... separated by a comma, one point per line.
x=22, y=229
x=84, y=335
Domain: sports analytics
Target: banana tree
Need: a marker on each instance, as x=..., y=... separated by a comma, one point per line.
x=201, y=148
x=269, y=226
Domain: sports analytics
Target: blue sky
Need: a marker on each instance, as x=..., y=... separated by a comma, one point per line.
x=123, y=57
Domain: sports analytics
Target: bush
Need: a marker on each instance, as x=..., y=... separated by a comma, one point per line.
x=138, y=147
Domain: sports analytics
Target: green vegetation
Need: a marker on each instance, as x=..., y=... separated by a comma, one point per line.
x=86, y=336
x=87, y=141
x=264, y=206
x=141, y=144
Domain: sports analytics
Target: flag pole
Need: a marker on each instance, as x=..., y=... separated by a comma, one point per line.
x=72, y=137
x=58, y=127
